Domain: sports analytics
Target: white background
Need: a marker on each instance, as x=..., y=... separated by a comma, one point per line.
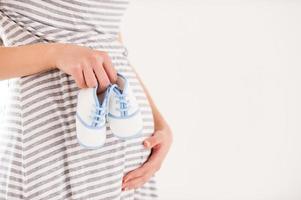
x=226, y=75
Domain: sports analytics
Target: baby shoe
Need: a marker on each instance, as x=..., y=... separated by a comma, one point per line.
x=91, y=118
x=124, y=116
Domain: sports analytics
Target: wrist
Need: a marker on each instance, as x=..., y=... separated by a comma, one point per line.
x=52, y=52
x=159, y=121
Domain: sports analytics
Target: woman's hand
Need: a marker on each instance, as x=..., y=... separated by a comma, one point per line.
x=160, y=143
x=88, y=67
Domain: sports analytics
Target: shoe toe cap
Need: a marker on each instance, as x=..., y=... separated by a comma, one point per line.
x=126, y=127
x=90, y=137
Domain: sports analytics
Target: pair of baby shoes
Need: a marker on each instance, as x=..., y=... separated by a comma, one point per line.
x=117, y=106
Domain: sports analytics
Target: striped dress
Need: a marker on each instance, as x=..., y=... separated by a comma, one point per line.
x=39, y=154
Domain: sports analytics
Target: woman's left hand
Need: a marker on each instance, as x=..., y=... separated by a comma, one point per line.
x=160, y=143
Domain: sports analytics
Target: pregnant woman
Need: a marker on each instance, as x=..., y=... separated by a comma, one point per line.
x=51, y=49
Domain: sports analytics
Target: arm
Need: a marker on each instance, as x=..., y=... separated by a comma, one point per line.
x=160, y=143
x=23, y=60
x=159, y=120
x=87, y=66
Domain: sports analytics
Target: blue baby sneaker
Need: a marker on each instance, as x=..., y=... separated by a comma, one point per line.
x=124, y=116
x=91, y=118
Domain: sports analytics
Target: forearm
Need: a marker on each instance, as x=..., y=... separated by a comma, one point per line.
x=25, y=60
x=158, y=118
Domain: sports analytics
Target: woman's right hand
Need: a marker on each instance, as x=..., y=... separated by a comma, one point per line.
x=88, y=67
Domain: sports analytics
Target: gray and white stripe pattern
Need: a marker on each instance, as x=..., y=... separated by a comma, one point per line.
x=40, y=156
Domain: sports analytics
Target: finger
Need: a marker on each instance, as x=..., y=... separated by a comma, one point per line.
x=157, y=156
x=102, y=78
x=135, y=173
x=89, y=76
x=79, y=77
x=154, y=140
x=152, y=164
x=136, y=183
x=149, y=168
x=108, y=66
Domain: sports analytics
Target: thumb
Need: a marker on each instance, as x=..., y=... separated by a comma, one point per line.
x=154, y=140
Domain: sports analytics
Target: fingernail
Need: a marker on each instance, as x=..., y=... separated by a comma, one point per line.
x=147, y=143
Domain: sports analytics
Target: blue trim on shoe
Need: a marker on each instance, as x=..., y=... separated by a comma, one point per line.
x=88, y=147
x=89, y=126
x=96, y=102
x=126, y=82
x=124, y=117
x=136, y=135
x=95, y=96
